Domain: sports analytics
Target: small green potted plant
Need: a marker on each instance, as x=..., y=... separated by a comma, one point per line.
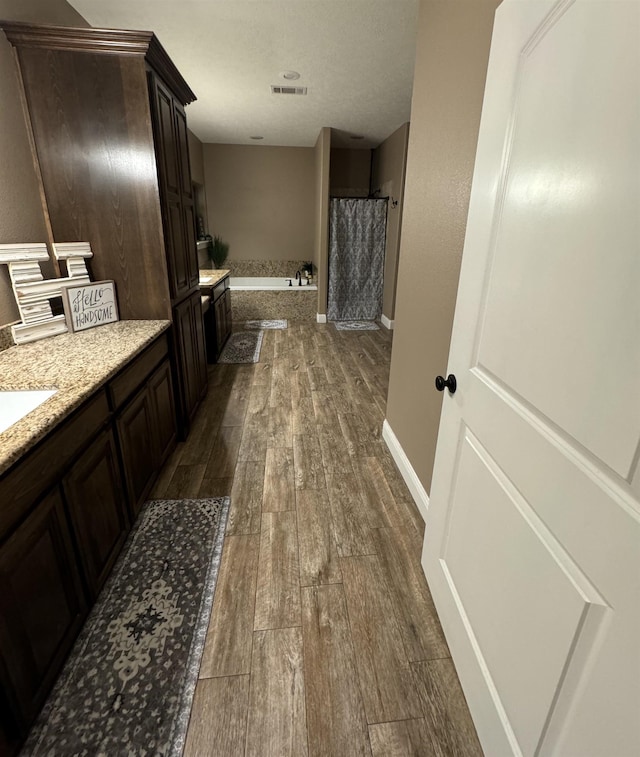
x=307, y=269
x=218, y=250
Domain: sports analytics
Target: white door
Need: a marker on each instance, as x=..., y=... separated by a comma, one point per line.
x=532, y=545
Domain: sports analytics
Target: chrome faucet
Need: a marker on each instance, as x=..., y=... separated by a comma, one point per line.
x=299, y=278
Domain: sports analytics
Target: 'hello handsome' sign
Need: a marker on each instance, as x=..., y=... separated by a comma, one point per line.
x=90, y=305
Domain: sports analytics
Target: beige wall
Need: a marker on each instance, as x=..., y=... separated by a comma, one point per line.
x=261, y=200
x=321, y=222
x=350, y=174
x=451, y=62
x=21, y=216
x=387, y=178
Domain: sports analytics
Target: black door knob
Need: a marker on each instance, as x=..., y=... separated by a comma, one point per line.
x=449, y=383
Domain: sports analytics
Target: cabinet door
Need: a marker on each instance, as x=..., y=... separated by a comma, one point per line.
x=166, y=144
x=191, y=353
x=186, y=194
x=228, y=319
x=169, y=152
x=221, y=317
x=200, y=345
x=178, y=264
x=95, y=495
x=139, y=453
x=187, y=363
x=41, y=605
x=182, y=139
x=191, y=253
x=160, y=388
x=10, y=731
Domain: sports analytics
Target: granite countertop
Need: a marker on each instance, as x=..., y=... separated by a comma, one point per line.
x=74, y=364
x=213, y=275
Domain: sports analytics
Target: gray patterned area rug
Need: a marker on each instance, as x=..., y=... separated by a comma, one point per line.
x=356, y=326
x=242, y=347
x=276, y=323
x=129, y=682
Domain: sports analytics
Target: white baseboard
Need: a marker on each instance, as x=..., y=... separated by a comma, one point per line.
x=387, y=322
x=420, y=496
x=321, y=317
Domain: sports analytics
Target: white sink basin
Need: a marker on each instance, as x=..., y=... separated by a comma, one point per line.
x=15, y=405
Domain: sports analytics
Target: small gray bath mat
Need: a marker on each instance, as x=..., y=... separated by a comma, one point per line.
x=280, y=323
x=242, y=347
x=128, y=685
x=356, y=326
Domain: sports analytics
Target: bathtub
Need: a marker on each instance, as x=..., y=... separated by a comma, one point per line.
x=271, y=297
x=267, y=284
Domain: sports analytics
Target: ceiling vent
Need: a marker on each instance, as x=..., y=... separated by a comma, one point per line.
x=276, y=89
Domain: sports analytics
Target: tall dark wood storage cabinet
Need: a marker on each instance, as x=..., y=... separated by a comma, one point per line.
x=106, y=112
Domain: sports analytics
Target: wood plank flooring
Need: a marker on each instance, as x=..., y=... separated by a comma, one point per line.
x=323, y=639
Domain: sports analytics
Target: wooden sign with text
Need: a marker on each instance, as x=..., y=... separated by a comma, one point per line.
x=89, y=305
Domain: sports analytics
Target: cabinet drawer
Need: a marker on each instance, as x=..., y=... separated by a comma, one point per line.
x=20, y=488
x=128, y=380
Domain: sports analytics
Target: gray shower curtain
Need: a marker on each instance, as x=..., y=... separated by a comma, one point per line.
x=357, y=232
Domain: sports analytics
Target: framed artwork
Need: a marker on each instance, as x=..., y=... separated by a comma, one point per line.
x=89, y=305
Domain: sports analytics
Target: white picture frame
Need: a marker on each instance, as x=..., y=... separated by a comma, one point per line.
x=90, y=304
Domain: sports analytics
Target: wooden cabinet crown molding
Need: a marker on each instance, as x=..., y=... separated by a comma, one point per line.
x=104, y=41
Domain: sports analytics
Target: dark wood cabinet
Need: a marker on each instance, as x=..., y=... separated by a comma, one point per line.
x=218, y=320
x=116, y=97
x=67, y=508
x=168, y=157
x=223, y=325
x=160, y=388
x=97, y=507
x=191, y=351
x=42, y=607
x=135, y=431
x=200, y=346
x=147, y=433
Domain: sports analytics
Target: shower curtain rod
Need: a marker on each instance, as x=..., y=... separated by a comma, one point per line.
x=355, y=197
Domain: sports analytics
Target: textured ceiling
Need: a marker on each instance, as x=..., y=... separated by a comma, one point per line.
x=354, y=56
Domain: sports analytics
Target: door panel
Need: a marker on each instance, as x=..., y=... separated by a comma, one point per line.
x=560, y=208
x=139, y=454
x=167, y=152
x=163, y=411
x=41, y=604
x=193, y=274
x=98, y=510
x=532, y=545
x=199, y=345
x=542, y=597
x=183, y=149
x=177, y=258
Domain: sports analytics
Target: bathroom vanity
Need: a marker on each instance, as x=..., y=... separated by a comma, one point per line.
x=217, y=319
x=74, y=473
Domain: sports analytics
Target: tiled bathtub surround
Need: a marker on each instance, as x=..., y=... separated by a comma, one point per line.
x=284, y=268
x=258, y=305
x=74, y=364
